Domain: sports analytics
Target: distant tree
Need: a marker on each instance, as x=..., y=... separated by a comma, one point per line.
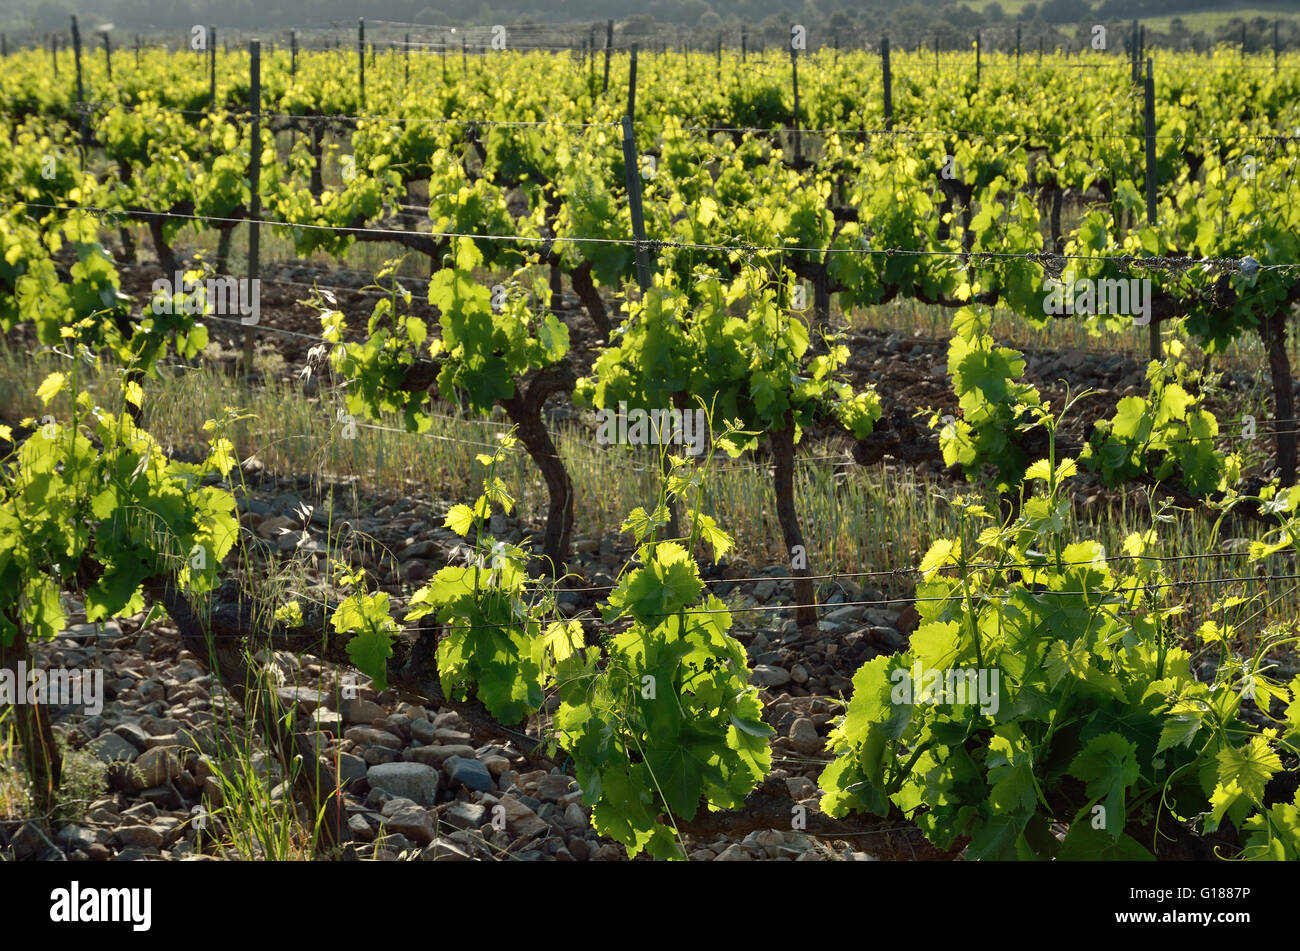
x=993, y=12
x=1065, y=11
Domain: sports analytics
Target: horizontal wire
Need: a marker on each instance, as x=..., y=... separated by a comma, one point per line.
x=1168, y=263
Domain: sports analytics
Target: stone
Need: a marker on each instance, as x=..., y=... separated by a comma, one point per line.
x=801, y=787
x=306, y=699
x=154, y=768
x=804, y=738
x=27, y=841
x=134, y=734
x=469, y=773
x=357, y=710
x=464, y=815
x=414, y=781
x=765, y=675
x=73, y=837
x=411, y=821
x=799, y=674
x=437, y=755
x=327, y=721
x=764, y=589
x=360, y=829
x=735, y=853
x=846, y=615
x=422, y=730
x=351, y=767
x=520, y=820
x=138, y=837
x=111, y=748
x=554, y=786
x=369, y=736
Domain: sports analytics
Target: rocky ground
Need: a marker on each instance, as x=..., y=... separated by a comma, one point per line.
x=422, y=782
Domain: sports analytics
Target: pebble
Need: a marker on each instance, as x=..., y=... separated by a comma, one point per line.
x=765, y=675
x=414, y=781
x=468, y=772
x=804, y=738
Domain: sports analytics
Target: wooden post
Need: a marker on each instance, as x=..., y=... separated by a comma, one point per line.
x=978, y=44
x=54, y=55
x=137, y=51
x=888, y=82
x=1149, y=117
x=254, y=182
x=794, y=77
x=76, y=53
x=108, y=56
x=1275, y=47
x=1017, y=46
x=609, y=42
x=744, y=46
x=212, y=69
x=293, y=53
x=406, y=53
x=633, y=175
x=361, y=57
x=631, y=86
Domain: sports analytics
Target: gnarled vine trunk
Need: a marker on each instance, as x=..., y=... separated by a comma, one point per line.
x=1273, y=332
x=525, y=411
x=41, y=756
x=805, y=592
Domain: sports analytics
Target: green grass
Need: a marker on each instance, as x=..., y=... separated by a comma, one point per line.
x=855, y=519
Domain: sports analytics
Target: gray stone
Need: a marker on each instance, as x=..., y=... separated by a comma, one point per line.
x=765, y=675
x=153, y=768
x=138, y=837
x=327, y=721
x=27, y=841
x=521, y=820
x=357, y=710
x=764, y=589
x=306, y=699
x=437, y=755
x=735, y=853
x=422, y=730
x=464, y=815
x=351, y=767
x=853, y=612
x=369, y=736
x=134, y=734
x=804, y=738
x=111, y=748
x=554, y=786
x=72, y=837
x=415, y=781
x=411, y=821
x=469, y=773
x=801, y=787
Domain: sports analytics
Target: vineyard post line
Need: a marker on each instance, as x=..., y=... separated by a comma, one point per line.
x=81, y=91
x=888, y=82
x=254, y=181
x=361, y=58
x=609, y=41
x=1149, y=121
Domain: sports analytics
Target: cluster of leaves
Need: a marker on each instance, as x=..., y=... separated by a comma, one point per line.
x=1094, y=719
x=98, y=500
x=489, y=340
x=1166, y=433
x=732, y=346
x=666, y=719
x=995, y=408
